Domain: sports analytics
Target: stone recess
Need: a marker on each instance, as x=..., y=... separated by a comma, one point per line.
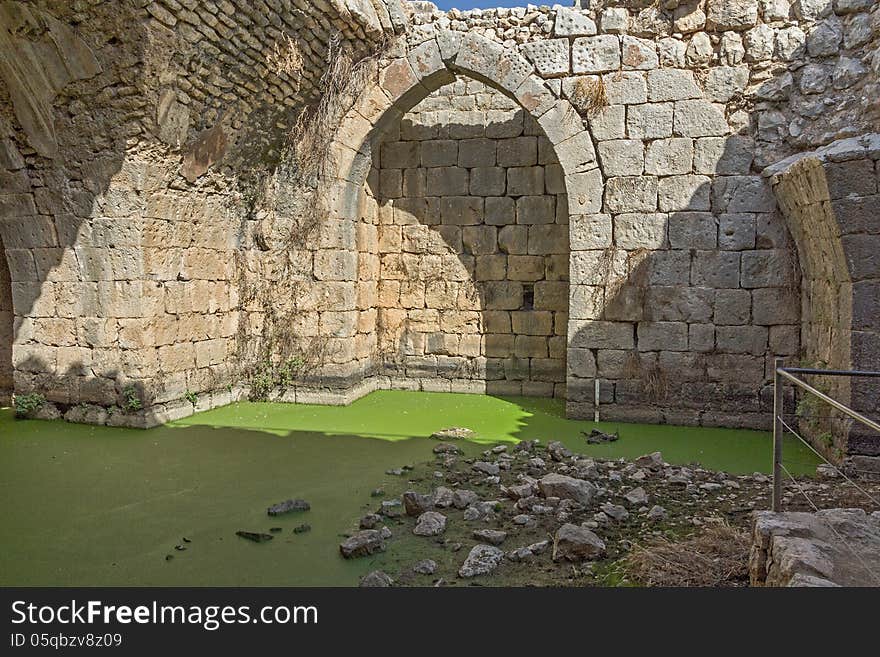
x=158, y=246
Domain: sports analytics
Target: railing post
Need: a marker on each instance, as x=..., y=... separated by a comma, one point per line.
x=776, y=502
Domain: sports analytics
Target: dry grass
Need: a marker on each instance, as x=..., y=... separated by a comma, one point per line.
x=286, y=59
x=589, y=95
x=714, y=556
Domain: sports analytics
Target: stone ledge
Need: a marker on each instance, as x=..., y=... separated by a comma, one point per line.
x=801, y=549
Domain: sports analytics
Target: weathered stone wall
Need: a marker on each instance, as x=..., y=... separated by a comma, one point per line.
x=159, y=239
x=473, y=245
x=831, y=201
x=5, y=329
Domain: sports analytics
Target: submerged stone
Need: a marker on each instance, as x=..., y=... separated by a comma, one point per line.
x=453, y=433
x=362, y=544
x=256, y=537
x=302, y=529
x=288, y=506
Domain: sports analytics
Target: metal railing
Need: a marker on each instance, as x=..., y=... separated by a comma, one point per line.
x=780, y=426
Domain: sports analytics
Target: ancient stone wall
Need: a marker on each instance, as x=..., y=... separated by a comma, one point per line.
x=161, y=240
x=473, y=245
x=5, y=329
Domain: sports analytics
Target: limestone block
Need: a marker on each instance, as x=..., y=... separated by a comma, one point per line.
x=687, y=192
x=775, y=306
x=581, y=363
x=742, y=339
x=518, y=152
x=545, y=240
x=596, y=54
x=631, y=194
x=727, y=15
x=742, y=194
x=736, y=232
x=525, y=268
x=551, y=295
x=825, y=38
x=625, y=88
x=533, y=322
x=577, y=152
x=435, y=153
x=668, y=268
x=512, y=239
x=765, y=268
x=586, y=301
x=791, y=43
x=534, y=209
x=640, y=231
x=671, y=52
x=500, y=210
x=476, y=153
x=529, y=346
x=503, y=295
x=488, y=181
x=480, y=240
x=400, y=155
x=668, y=84
x=698, y=118
x=622, y=157
x=719, y=269
x=584, y=192
x=390, y=183
x=732, y=307
x=528, y=180
x=701, y=337
x=725, y=82
x=614, y=20
x=335, y=265
x=639, y=54
x=676, y=303
x=666, y=336
x=554, y=179
x=573, y=23
x=503, y=124
x=784, y=340
x=666, y=157
x=590, y=334
x=447, y=181
x=689, y=17
x=692, y=230
x=491, y=267
x=724, y=155
x=550, y=56
x=649, y=121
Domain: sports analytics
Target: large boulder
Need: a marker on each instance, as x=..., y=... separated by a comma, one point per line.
x=362, y=544
x=567, y=488
x=574, y=543
x=481, y=560
x=416, y=503
x=430, y=523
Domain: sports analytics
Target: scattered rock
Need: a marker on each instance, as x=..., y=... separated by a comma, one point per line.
x=481, y=511
x=430, y=523
x=486, y=468
x=653, y=461
x=657, y=512
x=462, y=499
x=481, y=560
x=370, y=521
x=425, y=567
x=447, y=448
x=614, y=511
x=574, y=543
x=362, y=544
x=391, y=509
x=565, y=487
x=491, y=536
x=596, y=437
x=288, y=506
x=385, y=533
x=302, y=529
x=443, y=497
x=256, y=537
x=558, y=451
x=416, y=503
x=376, y=578
x=453, y=433
x=637, y=496
x=826, y=471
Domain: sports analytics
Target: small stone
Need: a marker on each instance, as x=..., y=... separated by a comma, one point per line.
x=491, y=536
x=391, y=509
x=370, y=521
x=481, y=560
x=425, y=567
x=430, y=523
x=362, y=544
x=462, y=499
x=573, y=543
x=486, y=468
x=657, y=512
x=302, y=529
x=447, y=448
x=256, y=537
x=614, y=511
x=416, y=503
x=453, y=433
x=562, y=486
x=637, y=496
x=377, y=578
x=385, y=533
x=288, y=506
x=653, y=461
x=522, y=519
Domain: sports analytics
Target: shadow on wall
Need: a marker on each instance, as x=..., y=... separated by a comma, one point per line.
x=473, y=251
x=684, y=284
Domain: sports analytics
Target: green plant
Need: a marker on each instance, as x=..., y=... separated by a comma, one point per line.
x=26, y=405
x=131, y=401
x=268, y=376
x=191, y=397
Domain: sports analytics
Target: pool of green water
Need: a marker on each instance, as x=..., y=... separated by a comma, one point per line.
x=89, y=505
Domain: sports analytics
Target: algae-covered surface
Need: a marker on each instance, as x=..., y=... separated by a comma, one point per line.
x=89, y=505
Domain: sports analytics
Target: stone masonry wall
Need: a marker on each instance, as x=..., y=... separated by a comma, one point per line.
x=473, y=245
x=5, y=330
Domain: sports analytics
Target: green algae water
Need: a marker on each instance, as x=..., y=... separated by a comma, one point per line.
x=104, y=506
